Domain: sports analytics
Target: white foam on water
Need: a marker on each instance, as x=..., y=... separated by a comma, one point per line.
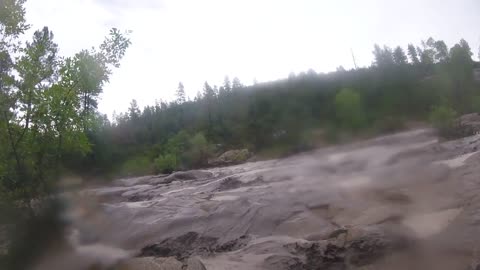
x=142, y=204
x=225, y=198
x=177, y=190
x=106, y=255
x=355, y=182
x=456, y=162
x=430, y=224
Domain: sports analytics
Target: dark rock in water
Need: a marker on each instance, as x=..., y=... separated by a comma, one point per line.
x=187, y=176
x=331, y=257
x=233, y=244
x=376, y=243
x=189, y=244
x=180, y=247
x=367, y=246
x=230, y=183
x=282, y=262
x=466, y=125
x=470, y=122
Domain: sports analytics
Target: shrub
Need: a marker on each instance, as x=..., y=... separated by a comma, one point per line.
x=199, y=151
x=443, y=119
x=165, y=163
x=349, y=109
x=138, y=165
x=389, y=124
x=332, y=134
x=476, y=104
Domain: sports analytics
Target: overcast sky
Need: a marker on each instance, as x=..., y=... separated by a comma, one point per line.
x=197, y=40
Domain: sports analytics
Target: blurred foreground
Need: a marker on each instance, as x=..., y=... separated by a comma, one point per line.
x=404, y=201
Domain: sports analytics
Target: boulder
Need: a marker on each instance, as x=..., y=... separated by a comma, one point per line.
x=466, y=125
x=470, y=123
x=231, y=157
x=353, y=247
x=372, y=243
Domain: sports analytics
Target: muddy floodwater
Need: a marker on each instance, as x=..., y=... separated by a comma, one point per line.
x=404, y=201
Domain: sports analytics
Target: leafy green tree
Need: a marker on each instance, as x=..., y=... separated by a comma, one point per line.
x=349, y=109
x=43, y=113
x=12, y=19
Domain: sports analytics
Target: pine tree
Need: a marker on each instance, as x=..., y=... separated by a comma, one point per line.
x=134, y=110
x=441, y=51
x=226, y=84
x=412, y=53
x=383, y=57
x=399, y=56
x=180, y=93
x=236, y=84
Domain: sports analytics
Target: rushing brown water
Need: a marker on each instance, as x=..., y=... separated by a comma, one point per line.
x=403, y=201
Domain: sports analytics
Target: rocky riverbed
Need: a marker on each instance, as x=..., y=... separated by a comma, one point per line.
x=404, y=201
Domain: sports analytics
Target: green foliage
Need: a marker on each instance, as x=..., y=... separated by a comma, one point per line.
x=136, y=166
x=476, y=104
x=332, y=134
x=349, y=109
x=165, y=163
x=178, y=144
x=389, y=124
x=199, y=151
x=443, y=119
x=12, y=18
